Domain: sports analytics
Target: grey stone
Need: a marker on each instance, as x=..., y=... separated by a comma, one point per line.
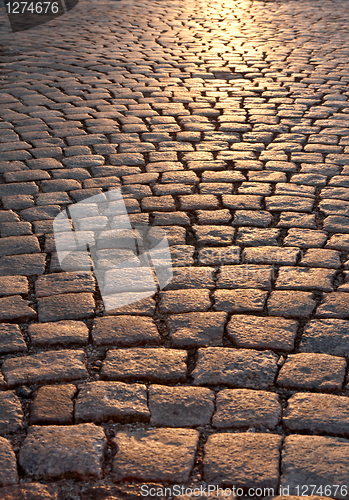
x=67, y=306
x=317, y=413
x=329, y=336
x=124, y=331
x=312, y=371
x=240, y=300
x=318, y=460
x=262, y=333
x=242, y=408
x=11, y=339
x=54, y=366
x=180, y=406
x=61, y=333
x=11, y=414
x=243, y=460
x=53, y=405
x=235, y=367
x=8, y=471
x=159, y=455
x=103, y=401
x=151, y=364
x=62, y=451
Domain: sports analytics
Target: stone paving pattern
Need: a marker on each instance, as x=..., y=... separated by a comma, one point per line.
x=225, y=123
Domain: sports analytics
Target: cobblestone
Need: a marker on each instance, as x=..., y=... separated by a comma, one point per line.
x=225, y=125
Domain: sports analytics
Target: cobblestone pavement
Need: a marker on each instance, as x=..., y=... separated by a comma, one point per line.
x=225, y=123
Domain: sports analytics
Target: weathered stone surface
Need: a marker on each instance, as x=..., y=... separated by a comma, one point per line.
x=8, y=470
x=11, y=339
x=241, y=408
x=58, y=283
x=191, y=277
x=180, y=406
x=53, y=405
x=159, y=455
x=250, y=276
x=315, y=460
x=13, y=285
x=235, y=367
x=240, y=300
x=151, y=364
x=15, y=308
x=291, y=304
x=29, y=491
x=330, y=336
x=318, y=413
x=26, y=265
x=259, y=332
x=11, y=414
x=242, y=460
x=196, y=329
x=334, y=305
x=271, y=255
x=67, y=306
x=14, y=245
x=103, y=401
x=54, y=366
x=312, y=371
x=299, y=278
x=63, y=451
x=62, y=333
x=124, y=331
x=181, y=301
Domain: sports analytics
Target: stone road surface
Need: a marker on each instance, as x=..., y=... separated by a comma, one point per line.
x=226, y=123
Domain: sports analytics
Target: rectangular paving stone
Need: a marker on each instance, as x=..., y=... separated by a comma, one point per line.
x=59, y=283
x=13, y=285
x=191, y=277
x=15, y=308
x=240, y=300
x=311, y=371
x=333, y=305
x=262, y=333
x=157, y=455
x=315, y=460
x=181, y=301
x=61, y=333
x=180, y=406
x=11, y=413
x=196, y=329
x=279, y=203
x=47, y=367
x=150, y=364
x=244, y=368
x=8, y=471
x=103, y=401
x=67, y=306
x=31, y=491
x=53, y=452
x=11, y=339
x=291, y=304
x=329, y=336
x=241, y=276
x=25, y=265
x=242, y=201
x=271, y=255
x=14, y=245
x=53, y=405
x=125, y=331
x=298, y=278
x=323, y=413
x=244, y=408
x=243, y=460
